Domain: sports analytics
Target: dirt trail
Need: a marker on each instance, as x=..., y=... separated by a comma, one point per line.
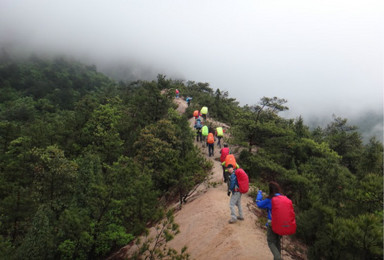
x=182, y=105
x=204, y=226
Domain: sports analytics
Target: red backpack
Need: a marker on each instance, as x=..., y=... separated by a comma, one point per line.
x=242, y=180
x=283, y=216
x=224, y=153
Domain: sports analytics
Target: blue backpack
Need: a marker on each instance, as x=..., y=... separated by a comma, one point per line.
x=198, y=124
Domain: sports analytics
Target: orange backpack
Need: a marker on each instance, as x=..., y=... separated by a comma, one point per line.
x=210, y=138
x=230, y=159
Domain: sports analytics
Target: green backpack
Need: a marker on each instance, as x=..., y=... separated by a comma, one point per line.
x=204, y=110
x=204, y=130
x=219, y=131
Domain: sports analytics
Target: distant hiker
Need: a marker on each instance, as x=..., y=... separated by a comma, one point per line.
x=283, y=220
x=196, y=114
x=177, y=93
x=188, y=99
x=204, y=112
x=198, y=126
x=211, y=130
x=204, y=132
x=211, y=144
x=223, y=154
x=236, y=196
x=219, y=133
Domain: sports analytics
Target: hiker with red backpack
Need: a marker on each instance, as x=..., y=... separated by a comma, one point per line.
x=196, y=114
x=223, y=154
x=239, y=184
x=281, y=217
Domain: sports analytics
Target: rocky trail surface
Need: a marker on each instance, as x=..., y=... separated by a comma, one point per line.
x=204, y=226
x=203, y=220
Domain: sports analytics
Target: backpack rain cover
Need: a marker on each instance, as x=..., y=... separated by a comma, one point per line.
x=242, y=180
x=283, y=216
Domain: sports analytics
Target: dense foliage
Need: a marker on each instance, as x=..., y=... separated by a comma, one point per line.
x=333, y=178
x=86, y=164
x=335, y=181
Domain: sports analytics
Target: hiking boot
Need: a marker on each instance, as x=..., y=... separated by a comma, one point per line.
x=240, y=218
x=231, y=221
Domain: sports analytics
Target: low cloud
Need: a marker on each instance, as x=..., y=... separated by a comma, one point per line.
x=324, y=57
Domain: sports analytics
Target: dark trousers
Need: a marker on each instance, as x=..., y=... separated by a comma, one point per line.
x=210, y=149
x=199, y=136
x=219, y=141
x=226, y=177
x=273, y=240
x=225, y=174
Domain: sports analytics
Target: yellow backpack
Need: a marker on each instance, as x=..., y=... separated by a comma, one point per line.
x=204, y=110
x=219, y=131
x=204, y=130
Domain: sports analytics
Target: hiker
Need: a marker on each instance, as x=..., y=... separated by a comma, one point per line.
x=219, y=133
x=223, y=154
x=204, y=132
x=204, y=112
x=196, y=114
x=236, y=196
x=229, y=159
x=198, y=126
x=188, y=99
x=210, y=144
x=177, y=93
x=273, y=239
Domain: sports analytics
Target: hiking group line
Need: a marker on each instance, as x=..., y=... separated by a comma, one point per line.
x=276, y=204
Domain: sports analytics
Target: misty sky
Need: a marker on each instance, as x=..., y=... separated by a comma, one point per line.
x=324, y=56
